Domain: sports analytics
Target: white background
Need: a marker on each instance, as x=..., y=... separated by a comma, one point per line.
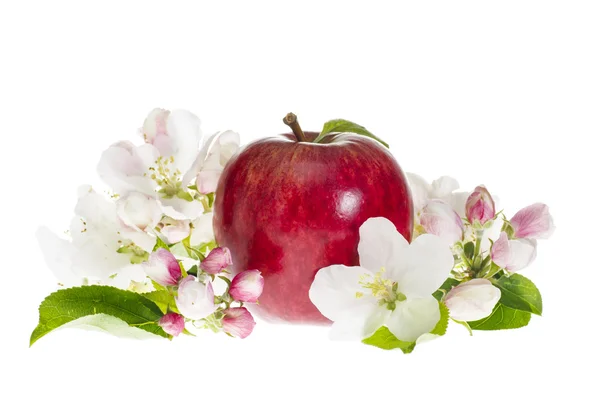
x=502, y=93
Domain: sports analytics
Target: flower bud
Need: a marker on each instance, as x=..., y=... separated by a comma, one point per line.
x=162, y=267
x=533, y=222
x=195, y=300
x=216, y=261
x=472, y=300
x=440, y=219
x=172, y=323
x=238, y=322
x=247, y=286
x=480, y=206
x=513, y=255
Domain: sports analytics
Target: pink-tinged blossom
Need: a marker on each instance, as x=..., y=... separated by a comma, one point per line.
x=480, y=206
x=440, y=219
x=513, y=255
x=163, y=268
x=533, y=222
x=216, y=261
x=174, y=230
x=172, y=323
x=155, y=126
x=195, y=300
x=247, y=286
x=472, y=300
x=238, y=322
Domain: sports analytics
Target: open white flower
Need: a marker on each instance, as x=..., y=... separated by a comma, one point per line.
x=392, y=287
x=444, y=188
x=169, y=161
x=98, y=251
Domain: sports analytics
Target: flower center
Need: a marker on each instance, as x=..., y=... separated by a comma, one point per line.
x=385, y=290
x=166, y=176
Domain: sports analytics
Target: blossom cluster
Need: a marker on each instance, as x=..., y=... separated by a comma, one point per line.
x=463, y=252
x=152, y=232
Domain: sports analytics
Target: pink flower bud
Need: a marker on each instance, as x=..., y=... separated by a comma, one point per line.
x=533, y=222
x=172, y=323
x=195, y=300
x=238, y=322
x=480, y=206
x=440, y=219
x=162, y=267
x=513, y=255
x=472, y=300
x=247, y=286
x=217, y=260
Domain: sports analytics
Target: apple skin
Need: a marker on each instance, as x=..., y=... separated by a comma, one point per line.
x=289, y=208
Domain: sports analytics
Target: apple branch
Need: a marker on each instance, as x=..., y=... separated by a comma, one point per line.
x=292, y=121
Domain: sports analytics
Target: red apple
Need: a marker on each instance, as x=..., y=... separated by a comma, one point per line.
x=288, y=208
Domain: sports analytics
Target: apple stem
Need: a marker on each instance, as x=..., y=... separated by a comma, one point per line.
x=292, y=121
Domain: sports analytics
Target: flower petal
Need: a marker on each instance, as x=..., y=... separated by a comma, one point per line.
x=440, y=219
x=533, y=222
x=443, y=187
x=184, y=132
x=358, y=322
x=203, y=230
x=423, y=266
x=57, y=254
x=472, y=300
x=380, y=244
x=414, y=317
x=501, y=253
x=334, y=289
x=420, y=190
x=523, y=252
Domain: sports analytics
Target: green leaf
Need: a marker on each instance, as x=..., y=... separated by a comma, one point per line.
x=193, y=270
x=160, y=245
x=68, y=305
x=445, y=288
x=384, y=339
x=163, y=299
x=342, y=125
x=442, y=325
x=520, y=293
x=502, y=317
x=469, y=249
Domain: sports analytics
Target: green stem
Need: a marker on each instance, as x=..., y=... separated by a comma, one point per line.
x=144, y=323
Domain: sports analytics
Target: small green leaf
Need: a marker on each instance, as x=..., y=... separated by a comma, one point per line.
x=193, y=270
x=160, y=245
x=469, y=249
x=163, y=299
x=445, y=288
x=442, y=325
x=520, y=293
x=502, y=317
x=342, y=125
x=384, y=339
x=68, y=305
